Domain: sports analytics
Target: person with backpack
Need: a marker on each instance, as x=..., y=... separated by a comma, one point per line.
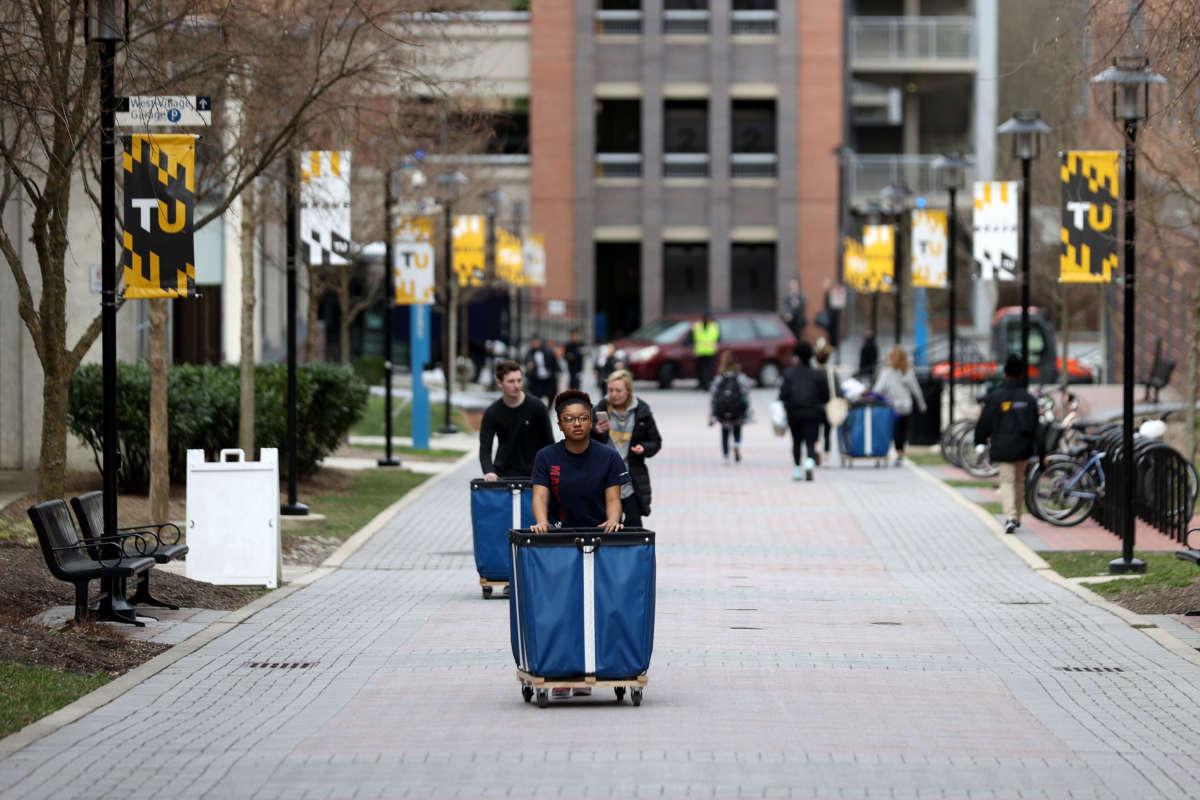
x=804, y=393
x=730, y=403
x=1009, y=423
x=627, y=424
x=898, y=384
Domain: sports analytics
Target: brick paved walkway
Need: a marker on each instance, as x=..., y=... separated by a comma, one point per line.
x=861, y=636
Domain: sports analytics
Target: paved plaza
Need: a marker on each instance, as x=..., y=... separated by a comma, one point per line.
x=867, y=635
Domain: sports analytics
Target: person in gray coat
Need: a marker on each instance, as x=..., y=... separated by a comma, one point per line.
x=899, y=385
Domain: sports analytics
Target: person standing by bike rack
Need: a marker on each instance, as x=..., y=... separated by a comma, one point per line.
x=1009, y=424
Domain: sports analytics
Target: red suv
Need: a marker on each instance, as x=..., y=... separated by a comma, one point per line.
x=662, y=350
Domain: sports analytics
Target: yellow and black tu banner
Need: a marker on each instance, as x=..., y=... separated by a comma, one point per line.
x=160, y=206
x=1089, y=216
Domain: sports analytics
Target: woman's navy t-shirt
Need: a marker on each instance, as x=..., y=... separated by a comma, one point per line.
x=577, y=482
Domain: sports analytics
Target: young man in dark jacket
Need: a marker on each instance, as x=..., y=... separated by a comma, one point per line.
x=1009, y=422
x=804, y=393
x=520, y=421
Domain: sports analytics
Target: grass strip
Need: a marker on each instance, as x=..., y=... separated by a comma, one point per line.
x=931, y=459
x=30, y=693
x=971, y=484
x=372, y=421
x=1163, y=571
x=406, y=450
x=992, y=508
x=372, y=491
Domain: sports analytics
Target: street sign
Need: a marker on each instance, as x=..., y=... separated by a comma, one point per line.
x=171, y=111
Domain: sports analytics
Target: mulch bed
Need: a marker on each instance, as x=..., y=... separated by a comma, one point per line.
x=28, y=588
x=1169, y=600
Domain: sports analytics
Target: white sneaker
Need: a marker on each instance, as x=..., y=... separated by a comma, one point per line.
x=808, y=469
x=725, y=460
x=1011, y=525
x=798, y=473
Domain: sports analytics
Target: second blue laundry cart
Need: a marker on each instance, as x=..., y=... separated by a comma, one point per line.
x=496, y=508
x=581, y=612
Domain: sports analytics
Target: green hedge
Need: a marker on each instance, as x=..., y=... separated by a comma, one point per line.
x=202, y=410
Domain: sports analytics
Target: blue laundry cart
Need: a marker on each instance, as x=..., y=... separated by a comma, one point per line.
x=866, y=432
x=496, y=508
x=581, y=612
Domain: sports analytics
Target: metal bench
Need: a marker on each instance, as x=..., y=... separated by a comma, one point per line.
x=1160, y=373
x=79, y=563
x=89, y=509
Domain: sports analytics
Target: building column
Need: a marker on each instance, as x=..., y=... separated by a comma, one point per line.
x=652, y=158
x=720, y=145
x=983, y=294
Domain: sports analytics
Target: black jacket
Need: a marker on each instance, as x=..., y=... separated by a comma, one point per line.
x=804, y=392
x=1010, y=421
x=645, y=433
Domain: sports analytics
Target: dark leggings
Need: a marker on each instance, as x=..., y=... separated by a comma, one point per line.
x=900, y=432
x=826, y=428
x=804, y=433
x=737, y=437
x=633, y=511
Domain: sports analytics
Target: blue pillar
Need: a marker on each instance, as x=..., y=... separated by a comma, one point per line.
x=920, y=327
x=418, y=326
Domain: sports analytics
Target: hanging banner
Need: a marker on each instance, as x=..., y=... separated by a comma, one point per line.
x=325, y=206
x=414, y=261
x=854, y=265
x=534, y=255
x=1090, y=184
x=510, y=260
x=160, y=205
x=996, y=229
x=928, y=249
x=469, y=261
x=880, y=254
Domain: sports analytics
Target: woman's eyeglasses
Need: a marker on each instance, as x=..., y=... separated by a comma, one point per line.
x=573, y=420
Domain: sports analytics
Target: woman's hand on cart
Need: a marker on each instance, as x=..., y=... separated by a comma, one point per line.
x=539, y=527
x=611, y=525
x=491, y=476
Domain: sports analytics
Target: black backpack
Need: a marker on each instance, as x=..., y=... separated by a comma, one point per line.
x=730, y=405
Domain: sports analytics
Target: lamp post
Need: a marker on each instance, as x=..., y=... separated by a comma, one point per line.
x=873, y=212
x=1130, y=78
x=106, y=27
x=448, y=187
x=894, y=199
x=1026, y=127
x=951, y=169
x=389, y=269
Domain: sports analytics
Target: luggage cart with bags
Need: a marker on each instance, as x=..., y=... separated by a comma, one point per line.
x=496, y=508
x=581, y=614
x=867, y=431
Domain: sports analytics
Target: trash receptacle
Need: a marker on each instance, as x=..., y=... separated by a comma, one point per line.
x=926, y=428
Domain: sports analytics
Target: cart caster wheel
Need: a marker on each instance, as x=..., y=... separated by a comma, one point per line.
x=527, y=693
x=619, y=691
x=635, y=694
x=543, y=698
x=487, y=592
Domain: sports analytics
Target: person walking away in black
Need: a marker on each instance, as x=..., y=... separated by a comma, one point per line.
x=627, y=424
x=705, y=335
x=832, y=315
x=729, y=404
x=573, y=357
x=542, y=369
x=794, y=309
x=521, y=424
x=1009, y=423
x=899, y=385
x=576, y=483
x=823, y=355
x=868, y=357
x=804, y=393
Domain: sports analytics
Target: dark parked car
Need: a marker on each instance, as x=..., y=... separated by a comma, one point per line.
x=662, y=350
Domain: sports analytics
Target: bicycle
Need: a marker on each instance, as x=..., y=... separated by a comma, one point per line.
x=1064, y=492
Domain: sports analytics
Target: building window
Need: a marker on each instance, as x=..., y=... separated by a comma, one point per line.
x=685, y=139
x=619, y=17
x=753, y=139
x=685, y=277
x=685, y=17
x=510, y=130
x=618, y=138
x=753, y=5
x=754, y=18
x=753, y=276
x=618, y=289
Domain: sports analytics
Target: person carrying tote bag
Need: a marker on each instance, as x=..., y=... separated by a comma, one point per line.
x=837, y=407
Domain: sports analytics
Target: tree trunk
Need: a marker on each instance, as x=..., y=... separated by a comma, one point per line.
x=311, y=343
x=246, y=377
x=160, y=459
x=52, y=460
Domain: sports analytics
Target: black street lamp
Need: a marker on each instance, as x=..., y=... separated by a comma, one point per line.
x=1130, y=78
x=894, y=199
x=951, y=169
x=108, y=23
x=1027, y=128
x=448, y=187
x=389, y=269
x=873, y=212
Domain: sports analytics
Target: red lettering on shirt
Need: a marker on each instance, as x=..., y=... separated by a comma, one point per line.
x=555, y=480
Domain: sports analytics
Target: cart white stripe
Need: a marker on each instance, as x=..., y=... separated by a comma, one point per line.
x=514, y=598
x=516, y=509
x=868, y=447
x=589, y=611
